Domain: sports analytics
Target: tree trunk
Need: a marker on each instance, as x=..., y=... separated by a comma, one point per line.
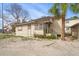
x=63, y=28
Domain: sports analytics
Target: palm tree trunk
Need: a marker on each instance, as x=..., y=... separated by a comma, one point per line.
x=63, y=28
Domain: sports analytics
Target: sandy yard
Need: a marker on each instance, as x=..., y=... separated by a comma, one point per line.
x=39, y=48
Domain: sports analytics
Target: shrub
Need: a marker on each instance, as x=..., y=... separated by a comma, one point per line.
x=73, y=37
x=68, y=34
x=45, y=37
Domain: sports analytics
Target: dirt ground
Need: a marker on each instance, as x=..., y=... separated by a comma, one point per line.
x=39, y=48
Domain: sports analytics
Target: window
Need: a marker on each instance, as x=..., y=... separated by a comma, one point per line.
x=29, y=26
x=20, y=28
x=67, y=28
x=38, y=26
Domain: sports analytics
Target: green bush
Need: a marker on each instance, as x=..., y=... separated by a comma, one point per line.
x=73, y=37
x=68, y=34
x=45, y=37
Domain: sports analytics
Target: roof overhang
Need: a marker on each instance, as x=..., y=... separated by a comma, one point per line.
x=37, y=21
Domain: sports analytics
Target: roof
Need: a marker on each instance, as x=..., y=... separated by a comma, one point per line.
x=39, y=20
x=72, y=23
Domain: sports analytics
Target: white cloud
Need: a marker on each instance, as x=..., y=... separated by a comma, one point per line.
x=35, y=13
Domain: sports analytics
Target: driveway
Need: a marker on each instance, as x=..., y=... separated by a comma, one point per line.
x=39, y=48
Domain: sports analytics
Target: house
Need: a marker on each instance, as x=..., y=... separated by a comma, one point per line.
x=75, y=30
x=69, y=23
x=72, y=27
x=47, y=25
x=40, y=26
x=7, y=28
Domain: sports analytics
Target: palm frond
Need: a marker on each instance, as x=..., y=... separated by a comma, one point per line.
x=55, y=11
x=75, y=8
x=64, y=8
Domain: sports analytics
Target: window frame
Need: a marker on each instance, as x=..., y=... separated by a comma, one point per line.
x=20, y=28
x=38, y=26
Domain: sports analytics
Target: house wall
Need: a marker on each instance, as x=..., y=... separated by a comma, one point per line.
x=75, y=31
x=24, y=32
x=57, y=26
x=28, y=32
x=39, y=31
x=34, y=31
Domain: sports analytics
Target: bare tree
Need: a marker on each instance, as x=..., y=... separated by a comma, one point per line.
x=5, y=22
x=17, y=12
x=24, y=16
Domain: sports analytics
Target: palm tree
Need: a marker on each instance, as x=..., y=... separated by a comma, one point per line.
x=75, y=8
x=59, y=11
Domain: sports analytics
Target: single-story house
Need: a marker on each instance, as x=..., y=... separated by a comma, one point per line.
x=40, y=26
x=75, y=30
x=69, y=23
x=73, y=27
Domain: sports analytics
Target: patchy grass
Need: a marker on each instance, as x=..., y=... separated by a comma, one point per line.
x=5, y=36
x=11, y=37
x=14, y=38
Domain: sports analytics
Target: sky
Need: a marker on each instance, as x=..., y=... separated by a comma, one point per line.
x=0, y=18
x=36, y=10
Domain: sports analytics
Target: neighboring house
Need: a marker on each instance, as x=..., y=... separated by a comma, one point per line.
x=75, y=30
x=70, y=23
x=7, y=28
x=41, y=26
x=72, y=27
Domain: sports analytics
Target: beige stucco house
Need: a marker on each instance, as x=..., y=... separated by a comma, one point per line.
x=47, y=25
x=41, y=26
